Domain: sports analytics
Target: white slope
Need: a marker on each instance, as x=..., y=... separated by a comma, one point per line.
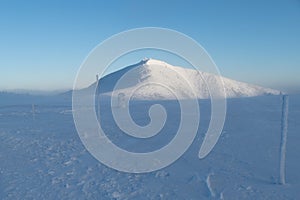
x=153, y=79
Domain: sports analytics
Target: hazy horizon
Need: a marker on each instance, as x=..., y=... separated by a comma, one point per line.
x=115, y=66
x=47, y=91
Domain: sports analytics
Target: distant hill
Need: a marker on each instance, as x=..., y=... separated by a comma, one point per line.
x=154, y=79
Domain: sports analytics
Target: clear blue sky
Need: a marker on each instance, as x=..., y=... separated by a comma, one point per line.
x=43, y=43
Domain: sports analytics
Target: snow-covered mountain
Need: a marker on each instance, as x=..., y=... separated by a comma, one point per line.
x=153, y=79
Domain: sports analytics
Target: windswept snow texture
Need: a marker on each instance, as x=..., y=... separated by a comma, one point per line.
x=43, y=157
x=170, y=81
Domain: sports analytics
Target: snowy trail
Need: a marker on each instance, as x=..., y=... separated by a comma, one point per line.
x=44, y=158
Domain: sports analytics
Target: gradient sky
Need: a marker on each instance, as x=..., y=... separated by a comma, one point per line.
x=43, y=43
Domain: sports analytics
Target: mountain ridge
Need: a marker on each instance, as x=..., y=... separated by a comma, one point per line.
x=154, y=79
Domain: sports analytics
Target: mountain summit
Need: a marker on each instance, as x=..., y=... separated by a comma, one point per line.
x=154, y=79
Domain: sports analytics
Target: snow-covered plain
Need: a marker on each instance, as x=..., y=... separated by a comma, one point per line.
x=42, y=157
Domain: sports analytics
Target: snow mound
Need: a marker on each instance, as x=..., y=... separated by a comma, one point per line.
x=152, y=79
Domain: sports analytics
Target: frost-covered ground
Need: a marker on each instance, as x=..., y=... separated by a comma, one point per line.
x=43, y=157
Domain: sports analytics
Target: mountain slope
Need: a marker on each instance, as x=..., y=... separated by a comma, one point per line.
x=154, y=79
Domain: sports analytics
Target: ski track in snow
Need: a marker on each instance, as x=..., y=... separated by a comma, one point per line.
x=43, y=157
